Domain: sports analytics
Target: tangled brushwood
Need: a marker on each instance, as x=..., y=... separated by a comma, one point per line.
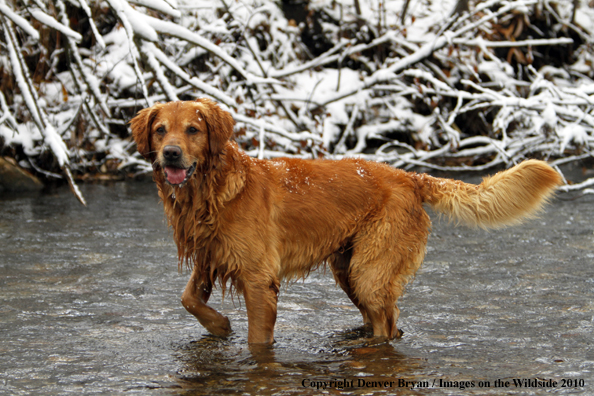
x=449, y=85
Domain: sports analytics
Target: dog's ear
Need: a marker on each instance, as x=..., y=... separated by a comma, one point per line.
x=141, y=130
x=219, y=124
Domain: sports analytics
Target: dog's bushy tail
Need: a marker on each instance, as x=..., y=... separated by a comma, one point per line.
x=504, y=199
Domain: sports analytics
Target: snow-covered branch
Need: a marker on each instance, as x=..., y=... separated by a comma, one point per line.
x=486, y=88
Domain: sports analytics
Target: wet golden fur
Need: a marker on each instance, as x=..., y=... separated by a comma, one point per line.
x=256, y=222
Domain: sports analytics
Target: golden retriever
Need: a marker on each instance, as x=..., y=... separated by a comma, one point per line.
x=255, y=222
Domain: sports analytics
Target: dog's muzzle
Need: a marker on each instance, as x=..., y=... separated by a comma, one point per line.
x=175, y=173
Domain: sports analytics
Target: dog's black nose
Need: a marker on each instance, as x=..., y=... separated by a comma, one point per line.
x=172, y=153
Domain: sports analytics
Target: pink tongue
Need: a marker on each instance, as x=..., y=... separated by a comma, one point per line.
x=175, y=175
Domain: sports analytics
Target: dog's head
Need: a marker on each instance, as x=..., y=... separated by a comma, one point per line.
x=178, y=137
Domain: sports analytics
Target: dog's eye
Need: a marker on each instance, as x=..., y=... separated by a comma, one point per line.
x=161, y=130
x=192, y=130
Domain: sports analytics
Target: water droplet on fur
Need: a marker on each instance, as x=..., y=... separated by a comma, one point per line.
x=173, y=194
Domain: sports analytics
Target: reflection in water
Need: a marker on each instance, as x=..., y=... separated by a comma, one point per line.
x=348, y=361
x=90, y=302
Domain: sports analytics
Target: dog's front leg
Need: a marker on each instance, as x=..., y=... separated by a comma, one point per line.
x=260, y=301
x=194, y=299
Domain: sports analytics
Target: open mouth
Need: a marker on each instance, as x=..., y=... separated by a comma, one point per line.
x=179, y=176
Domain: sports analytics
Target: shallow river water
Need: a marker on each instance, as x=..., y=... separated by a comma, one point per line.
x=90, y=304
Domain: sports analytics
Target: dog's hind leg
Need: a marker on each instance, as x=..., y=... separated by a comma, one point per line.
x=386, y=255
x=339, y=263
x=194, y=299
x=377, y=290
x=377, y=295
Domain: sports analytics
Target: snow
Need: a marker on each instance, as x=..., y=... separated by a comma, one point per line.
x=549, y=116
x=26, y=136
x=584, y=19
x=139, y=24
x=96, y=34
x=185, y=34
x=149, y=51
x=51, y=22
x=190, y=56
x=161, y=57
x=51, y=137
x=502, y=73
x=159, y=5
x=116, y=64
x=572, y=133
x=421, y=81
x=19, y=21
x=56, y=144
x=51, y=93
